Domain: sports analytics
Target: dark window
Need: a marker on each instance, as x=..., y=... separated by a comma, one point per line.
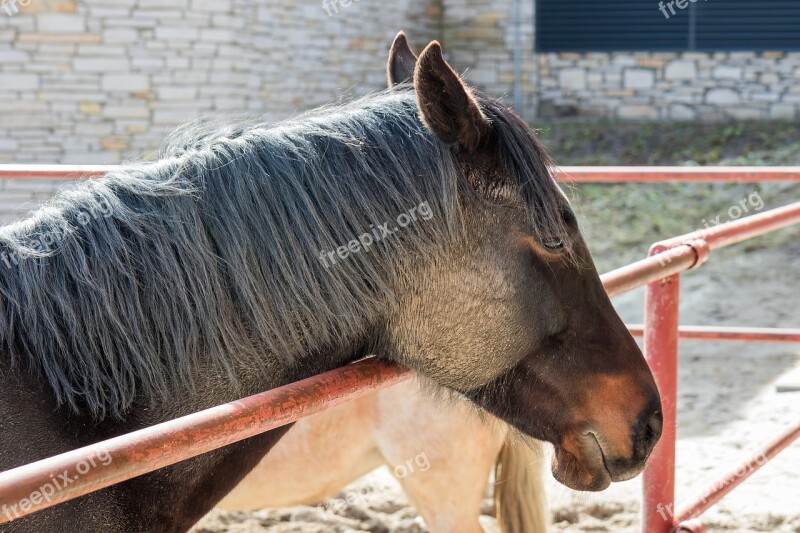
x=641, y=25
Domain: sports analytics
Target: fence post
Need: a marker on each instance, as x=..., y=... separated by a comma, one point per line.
x=661, y=351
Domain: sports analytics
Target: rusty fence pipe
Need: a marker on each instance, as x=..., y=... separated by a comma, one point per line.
x=722, y=333
x=661, y=352
x=165, y=444
x=644, y=271
x=586, y=174
x=719, y=489
x=54, y=172
x=673, y=174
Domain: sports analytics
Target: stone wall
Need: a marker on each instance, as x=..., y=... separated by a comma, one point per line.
x=479, y=40
x=101, y=81
x=670, y=86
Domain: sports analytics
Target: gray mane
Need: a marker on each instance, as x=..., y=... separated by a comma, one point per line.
x=118, y=287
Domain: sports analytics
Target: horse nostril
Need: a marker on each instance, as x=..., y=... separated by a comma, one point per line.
x=651, y=432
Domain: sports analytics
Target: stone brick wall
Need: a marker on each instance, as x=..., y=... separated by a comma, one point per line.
x=101, y=81
x=479, y=37
x=479, y=40
x=670, y=86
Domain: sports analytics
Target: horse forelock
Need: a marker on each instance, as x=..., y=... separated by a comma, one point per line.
x=121, y=288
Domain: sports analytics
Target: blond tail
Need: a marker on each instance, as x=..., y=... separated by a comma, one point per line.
x=519, y=493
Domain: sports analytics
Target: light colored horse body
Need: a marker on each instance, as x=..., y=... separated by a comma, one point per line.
x=398, y=427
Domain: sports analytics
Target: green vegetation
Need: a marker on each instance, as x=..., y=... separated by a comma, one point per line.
x=621, y=221
x=680, y=143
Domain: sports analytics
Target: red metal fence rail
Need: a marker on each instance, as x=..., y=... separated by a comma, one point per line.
x=170, y=442
x=635, y=174
x=678, y=174
x=721, y=333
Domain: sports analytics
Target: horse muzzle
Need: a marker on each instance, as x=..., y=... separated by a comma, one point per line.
x=586, y=459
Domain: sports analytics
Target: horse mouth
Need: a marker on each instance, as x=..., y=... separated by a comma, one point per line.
x=580, y=464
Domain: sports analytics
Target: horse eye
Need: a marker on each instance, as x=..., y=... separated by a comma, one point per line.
x=553, y=244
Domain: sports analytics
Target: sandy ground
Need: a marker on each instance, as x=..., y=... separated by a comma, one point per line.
x=728, y=407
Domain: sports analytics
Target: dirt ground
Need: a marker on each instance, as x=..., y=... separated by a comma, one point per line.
x=728, y=404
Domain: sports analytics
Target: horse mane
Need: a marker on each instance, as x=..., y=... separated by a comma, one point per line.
x=120, y=286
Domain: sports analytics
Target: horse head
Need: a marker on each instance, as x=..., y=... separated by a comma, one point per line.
x=515, y=317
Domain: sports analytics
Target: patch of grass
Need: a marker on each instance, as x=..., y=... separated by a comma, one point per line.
x=621, y=221
x=602, y=142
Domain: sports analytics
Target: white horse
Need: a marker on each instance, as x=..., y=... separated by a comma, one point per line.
x=399, y=427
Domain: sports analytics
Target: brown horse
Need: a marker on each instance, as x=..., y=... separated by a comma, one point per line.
x=441, y=454
x=422, y=224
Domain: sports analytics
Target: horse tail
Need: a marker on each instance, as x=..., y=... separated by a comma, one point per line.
x=519, y=493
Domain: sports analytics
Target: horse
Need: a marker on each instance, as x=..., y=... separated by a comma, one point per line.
x=421, y=223
x=388, y=427
x=442, y=456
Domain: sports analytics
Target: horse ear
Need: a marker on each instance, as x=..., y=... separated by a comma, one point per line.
x=446, y=105
x=402, y=61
